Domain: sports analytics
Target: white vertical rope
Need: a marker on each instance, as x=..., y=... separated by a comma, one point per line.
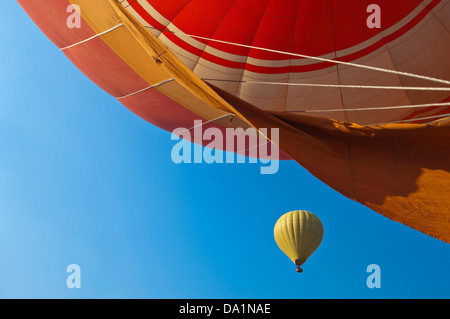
x=93, y=37
x=412, y=120
x=378, y=108
x=203, y=123
x=145, y=89
x=423, y=77
x=348, y=86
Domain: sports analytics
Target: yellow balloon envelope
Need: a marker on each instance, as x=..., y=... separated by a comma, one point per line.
x=298, y=234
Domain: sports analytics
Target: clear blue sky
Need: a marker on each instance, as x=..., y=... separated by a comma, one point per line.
x=85, y=181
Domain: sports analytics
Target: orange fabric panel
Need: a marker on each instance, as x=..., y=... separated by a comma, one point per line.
x=401, y=171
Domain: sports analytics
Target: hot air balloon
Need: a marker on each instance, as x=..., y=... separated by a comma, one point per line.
x=363, y=105
x=298, y=234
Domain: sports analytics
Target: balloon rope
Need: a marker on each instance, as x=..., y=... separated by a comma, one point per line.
x=416, y=119
x=411, y=88
x=93, y=37
x=129, y=4
x=203, y=123
x=309, y=57
x=145, y=89
x=375, y=108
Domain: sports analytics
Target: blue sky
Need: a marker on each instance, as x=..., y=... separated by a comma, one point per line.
x=85, y=181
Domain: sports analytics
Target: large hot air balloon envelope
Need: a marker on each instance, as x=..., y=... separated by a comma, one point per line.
x=298, y=234
x=365, y=109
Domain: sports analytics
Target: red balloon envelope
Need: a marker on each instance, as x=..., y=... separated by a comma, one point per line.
x=359, y=91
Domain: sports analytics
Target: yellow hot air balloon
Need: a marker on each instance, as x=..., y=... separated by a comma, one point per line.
x=298, y=234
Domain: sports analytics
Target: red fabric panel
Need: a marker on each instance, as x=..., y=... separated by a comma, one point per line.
x=306, y=27
x=102, y=65
x=310, y=27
